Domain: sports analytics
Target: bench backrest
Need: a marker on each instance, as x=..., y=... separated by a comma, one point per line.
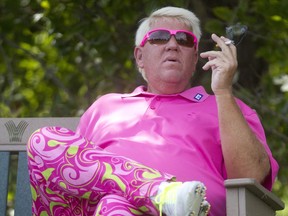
x=14, y=134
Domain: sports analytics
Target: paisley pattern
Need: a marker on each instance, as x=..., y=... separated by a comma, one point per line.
x=70, y=175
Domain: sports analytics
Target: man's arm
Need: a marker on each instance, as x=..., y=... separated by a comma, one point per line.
x=244, y=154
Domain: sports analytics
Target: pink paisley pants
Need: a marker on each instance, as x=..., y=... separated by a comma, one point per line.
x=71, y=176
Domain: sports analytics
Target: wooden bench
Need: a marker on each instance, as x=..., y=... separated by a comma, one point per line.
x=245, y=197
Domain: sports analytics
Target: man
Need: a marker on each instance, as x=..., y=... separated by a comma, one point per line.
x=178, y=129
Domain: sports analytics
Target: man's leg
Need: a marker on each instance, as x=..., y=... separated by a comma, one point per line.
x=70, y=175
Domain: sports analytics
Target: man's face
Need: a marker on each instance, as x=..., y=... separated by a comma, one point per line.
x=168, y=67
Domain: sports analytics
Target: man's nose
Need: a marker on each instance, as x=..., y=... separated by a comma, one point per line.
x=172, y=42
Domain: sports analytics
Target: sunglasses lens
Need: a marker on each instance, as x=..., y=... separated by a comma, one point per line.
x=163, y=36
x=185, y=39
x=159, y=37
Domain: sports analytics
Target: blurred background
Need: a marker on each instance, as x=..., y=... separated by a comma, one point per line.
x=58, y=56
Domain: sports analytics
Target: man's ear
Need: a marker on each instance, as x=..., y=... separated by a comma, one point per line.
x=138, y=55
x=196, y=58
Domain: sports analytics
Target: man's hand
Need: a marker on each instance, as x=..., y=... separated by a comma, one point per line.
x=223, y=64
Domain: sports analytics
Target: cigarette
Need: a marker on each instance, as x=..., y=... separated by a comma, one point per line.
x=229, y=42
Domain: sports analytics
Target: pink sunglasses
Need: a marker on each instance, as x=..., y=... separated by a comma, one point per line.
x=162, y=36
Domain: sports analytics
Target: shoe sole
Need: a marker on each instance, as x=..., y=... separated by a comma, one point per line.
x=204, y=209
x=196, y=197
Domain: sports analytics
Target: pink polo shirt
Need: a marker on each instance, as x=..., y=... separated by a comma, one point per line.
x=177, y=134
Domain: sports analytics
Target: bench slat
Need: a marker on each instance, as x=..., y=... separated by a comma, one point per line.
x=4, y=166
x=23, y=201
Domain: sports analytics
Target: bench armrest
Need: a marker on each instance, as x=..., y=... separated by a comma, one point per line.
x=247, y=197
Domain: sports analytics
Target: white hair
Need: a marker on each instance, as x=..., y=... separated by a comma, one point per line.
x=183, y=15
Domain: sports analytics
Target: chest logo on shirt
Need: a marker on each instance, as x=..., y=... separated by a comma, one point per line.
x=198, y=96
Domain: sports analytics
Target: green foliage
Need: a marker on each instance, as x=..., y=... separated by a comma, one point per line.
x=223, y=13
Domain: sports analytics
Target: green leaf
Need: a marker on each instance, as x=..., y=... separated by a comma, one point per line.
x=223, y=13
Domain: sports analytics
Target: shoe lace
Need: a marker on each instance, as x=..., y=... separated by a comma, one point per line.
x=167, y=196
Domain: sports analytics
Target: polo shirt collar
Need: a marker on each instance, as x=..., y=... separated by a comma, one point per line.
x=195, y=94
